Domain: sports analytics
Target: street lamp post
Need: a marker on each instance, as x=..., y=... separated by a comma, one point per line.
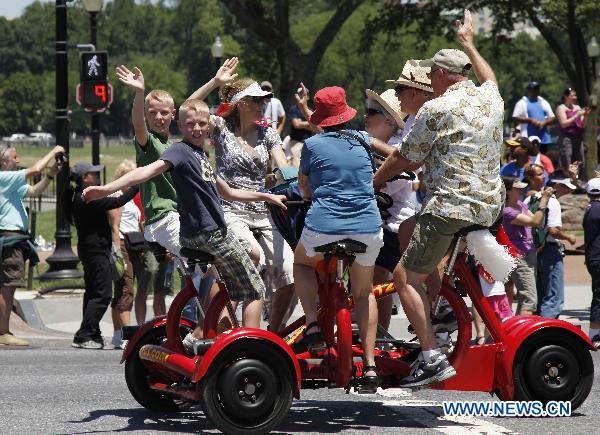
x=63, y=262
x=217, y=50
x=591, y=158
x=93, y=7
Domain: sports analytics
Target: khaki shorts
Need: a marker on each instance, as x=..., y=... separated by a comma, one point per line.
x=430, y=241
x=276, y=256
x=13, y=264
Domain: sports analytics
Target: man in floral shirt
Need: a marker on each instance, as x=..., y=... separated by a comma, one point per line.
x=457, y=136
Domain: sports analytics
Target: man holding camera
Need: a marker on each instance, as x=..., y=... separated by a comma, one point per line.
x=15, y=243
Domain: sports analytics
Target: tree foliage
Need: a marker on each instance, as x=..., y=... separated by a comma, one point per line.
x=356, y=44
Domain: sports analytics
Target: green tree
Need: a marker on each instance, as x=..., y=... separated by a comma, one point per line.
x=562, y=24
x=270, y=22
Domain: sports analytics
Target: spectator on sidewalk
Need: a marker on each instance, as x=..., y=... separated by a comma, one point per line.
x=537, y=157
x=519, y=150
x=274, y=112
x=591, y=234
x=15, y=241
x=550, y=266
x=300, y=130
x=129, y=239
x=571, y=118
x=518, y=221
x=94, y=244
x=534, y=115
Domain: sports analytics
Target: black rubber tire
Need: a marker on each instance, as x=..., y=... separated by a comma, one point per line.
x=136, y=377
x=220, y=387
x=558, y=349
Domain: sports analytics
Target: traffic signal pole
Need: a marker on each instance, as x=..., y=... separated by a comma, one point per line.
x=63, y=262
x=95, y=117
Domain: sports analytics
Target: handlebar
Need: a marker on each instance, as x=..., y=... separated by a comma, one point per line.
x=298, y=203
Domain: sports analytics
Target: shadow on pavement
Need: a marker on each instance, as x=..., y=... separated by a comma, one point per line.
x=304, y=416
x=579, y=314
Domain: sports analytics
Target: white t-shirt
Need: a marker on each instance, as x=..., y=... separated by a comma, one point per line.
x=273, y=111
x=130, y=218
x=491, y=289
x=402, y=194
x=521, y=111
x=554, y=218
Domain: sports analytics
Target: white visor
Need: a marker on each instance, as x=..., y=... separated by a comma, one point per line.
x=254, y=90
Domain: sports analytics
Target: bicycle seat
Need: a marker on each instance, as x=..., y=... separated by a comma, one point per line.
x=346, y=246
x=197, y=255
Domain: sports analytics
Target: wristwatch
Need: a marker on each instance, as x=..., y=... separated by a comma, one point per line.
x=50, y=177
x=543, y=208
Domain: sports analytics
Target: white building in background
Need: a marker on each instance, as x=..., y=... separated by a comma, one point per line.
x=483, y=21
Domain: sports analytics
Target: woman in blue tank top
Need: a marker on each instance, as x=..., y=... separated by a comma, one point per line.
x=336, y=172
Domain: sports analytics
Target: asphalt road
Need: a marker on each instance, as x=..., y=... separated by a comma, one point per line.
x=73, y=391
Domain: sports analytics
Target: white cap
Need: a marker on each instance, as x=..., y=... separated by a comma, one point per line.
x=565, y=181
x=593, y=186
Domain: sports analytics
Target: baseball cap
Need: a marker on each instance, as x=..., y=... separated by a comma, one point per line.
x=565, y=181
x=451, y=59
x=81, y=168
x=593, y=186
x=533, y=85
x=534, y=139
x=519, y=142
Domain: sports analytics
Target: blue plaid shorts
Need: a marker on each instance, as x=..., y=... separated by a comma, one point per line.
x=235, y=267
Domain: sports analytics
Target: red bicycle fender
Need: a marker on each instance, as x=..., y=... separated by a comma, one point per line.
x=231, y=336
x=149, y=325
x=516, y=330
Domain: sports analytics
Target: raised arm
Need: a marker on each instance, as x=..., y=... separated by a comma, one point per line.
x=135, y=80
x=135, y=177
x=464, y=35
x=302, y=103
x=224, y=75
x=40, y=186
x=39, y=166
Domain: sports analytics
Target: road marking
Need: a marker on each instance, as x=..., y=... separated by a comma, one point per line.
x=430, y=414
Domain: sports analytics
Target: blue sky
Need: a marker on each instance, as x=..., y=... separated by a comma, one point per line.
x=13, y=8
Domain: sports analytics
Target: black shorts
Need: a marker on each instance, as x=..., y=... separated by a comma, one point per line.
x=389, y=255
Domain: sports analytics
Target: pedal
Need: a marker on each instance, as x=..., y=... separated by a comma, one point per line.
x=201, y=346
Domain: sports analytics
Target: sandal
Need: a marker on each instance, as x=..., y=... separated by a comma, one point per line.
x=367, y=384
x=478, y=341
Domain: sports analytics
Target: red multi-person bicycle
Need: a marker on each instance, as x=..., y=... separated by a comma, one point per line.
x=245, y=378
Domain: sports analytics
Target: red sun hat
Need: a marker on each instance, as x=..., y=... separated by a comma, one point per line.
x=331, y=107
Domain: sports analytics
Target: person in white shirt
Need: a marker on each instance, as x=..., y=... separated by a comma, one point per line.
x=534, y=114
x=274, y=112
x=550, y=266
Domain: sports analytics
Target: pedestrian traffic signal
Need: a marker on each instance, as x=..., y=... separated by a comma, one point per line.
x=94, y=65
x=94, y=96
x=94, y=92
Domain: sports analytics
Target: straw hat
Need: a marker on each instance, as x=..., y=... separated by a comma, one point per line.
x=390, y=103
x=414, y=76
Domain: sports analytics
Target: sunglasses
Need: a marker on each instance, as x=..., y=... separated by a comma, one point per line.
x=372, y=112
x=258, y=99
x=399, y=89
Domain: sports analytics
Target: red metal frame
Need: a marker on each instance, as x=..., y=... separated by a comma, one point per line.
x=479, y=367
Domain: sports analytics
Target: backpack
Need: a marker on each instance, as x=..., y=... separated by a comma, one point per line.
x=539, y=234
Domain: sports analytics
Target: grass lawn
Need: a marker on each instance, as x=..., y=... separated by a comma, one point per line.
x=110, y=157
